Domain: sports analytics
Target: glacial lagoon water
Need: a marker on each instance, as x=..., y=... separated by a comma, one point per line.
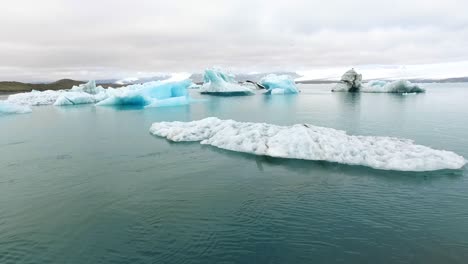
x=88, y=184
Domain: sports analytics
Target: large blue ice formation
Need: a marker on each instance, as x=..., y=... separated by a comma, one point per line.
x=9, y=108
x=150, y=94
x=279, y=84
x=217, y=82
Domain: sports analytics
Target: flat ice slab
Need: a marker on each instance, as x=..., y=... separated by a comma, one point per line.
x=308, y=142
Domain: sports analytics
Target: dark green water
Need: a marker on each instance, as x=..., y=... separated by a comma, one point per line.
x=91, y=185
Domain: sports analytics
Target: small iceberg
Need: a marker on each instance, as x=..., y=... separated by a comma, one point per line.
x=279, y=84
x=308, y=142
x=351, y=81
x=9, y=108
x=399, y=86
x=217, y=82
x=150, y=94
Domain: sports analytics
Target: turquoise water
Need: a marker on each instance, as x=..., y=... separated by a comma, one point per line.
x=90, y=185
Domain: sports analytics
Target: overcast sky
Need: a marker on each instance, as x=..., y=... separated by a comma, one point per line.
x=84, y=39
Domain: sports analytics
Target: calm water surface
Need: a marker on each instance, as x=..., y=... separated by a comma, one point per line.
x=90, y=185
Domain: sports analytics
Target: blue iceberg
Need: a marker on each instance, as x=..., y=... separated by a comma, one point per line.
x=9, y=108
x=279, y=84
x=150, y=94
x=217, y=82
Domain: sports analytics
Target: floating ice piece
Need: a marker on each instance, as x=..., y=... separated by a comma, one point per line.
x=217, y=82
x=151, y=94
x=303, y=141
x=279, y=84
x=9, y=108
x=399, y=86
x=351, y=81
x=75, y=98
x=35, y=97
x=89, y=87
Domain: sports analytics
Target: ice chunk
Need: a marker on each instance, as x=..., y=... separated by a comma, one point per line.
x=308, y=142
x=217, y=82
x=74, y=98
x=89, y=87
x=351, y=81
x=9, y=108
x=149, y=94
x=279, y=84
x=399, y=86
x=35, y=97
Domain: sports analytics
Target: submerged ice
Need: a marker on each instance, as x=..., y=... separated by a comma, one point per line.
x=303, y=141
x=9, y=108
x=279, y=84
x=220, y=83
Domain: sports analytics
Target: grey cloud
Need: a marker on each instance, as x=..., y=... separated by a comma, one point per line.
x=44, y=40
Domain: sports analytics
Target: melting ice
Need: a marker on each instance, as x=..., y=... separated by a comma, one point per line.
x=10, y=108
x=308, y=142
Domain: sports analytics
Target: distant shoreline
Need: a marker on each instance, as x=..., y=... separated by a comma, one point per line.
x=12, y=87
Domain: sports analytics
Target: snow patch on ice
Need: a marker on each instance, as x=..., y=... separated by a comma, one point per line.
x=308, y=142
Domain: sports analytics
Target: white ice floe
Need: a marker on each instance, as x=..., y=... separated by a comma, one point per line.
x=35, y=97
x=308, y=142
x=399, y=86
x=217, y=82
x=9, y=108
x=279, y=84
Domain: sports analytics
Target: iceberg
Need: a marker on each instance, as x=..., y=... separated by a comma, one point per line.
x=279, y=84
x=35, y=97
x=308, y=142
x=150, y=94
x=351, y=81
x=399, y=86
x=9, y=108
x=217, y=82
